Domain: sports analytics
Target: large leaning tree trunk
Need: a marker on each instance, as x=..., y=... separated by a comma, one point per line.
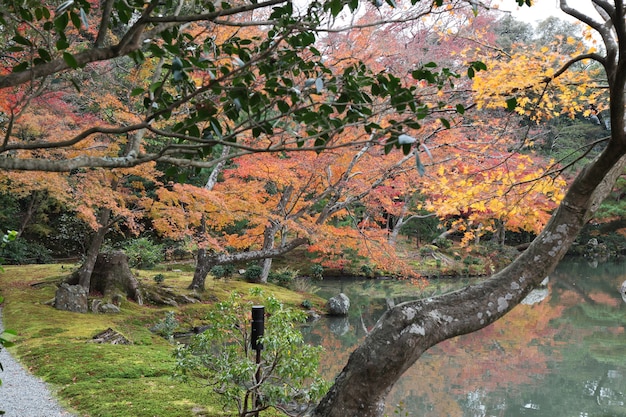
x=406, y=331
x=206, y=261
x=112, y=278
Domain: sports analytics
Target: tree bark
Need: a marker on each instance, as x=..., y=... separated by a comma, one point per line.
x=84, y=274
x=406, y=331
x=268, y=244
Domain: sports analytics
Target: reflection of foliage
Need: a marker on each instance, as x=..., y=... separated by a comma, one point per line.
x=558, y=355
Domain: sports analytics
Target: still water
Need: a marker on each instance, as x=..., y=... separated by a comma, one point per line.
x=561, y=355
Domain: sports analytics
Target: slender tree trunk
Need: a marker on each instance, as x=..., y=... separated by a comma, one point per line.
x=268, y=244
x=30, y=211
x=203, y=262
x=406, y=331
x=84, y=274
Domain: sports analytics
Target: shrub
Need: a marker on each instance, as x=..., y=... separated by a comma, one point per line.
x=221, y=358
x=218, y=272
x=304, y=284
x=159, y=278
x=222, y=271
x=143, y=253
x=367, y=270
x=283, y=277
x=253, y=273
x=317, y=272
x=21, y=251
x=443, y=243
x=166, y=326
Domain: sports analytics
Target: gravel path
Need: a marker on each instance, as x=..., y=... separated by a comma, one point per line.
x=22, y=394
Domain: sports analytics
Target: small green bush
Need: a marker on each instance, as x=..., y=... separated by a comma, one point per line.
x=427, y=250
x=367, y=270
x=317, y=272
x=221, y=358
x=443, y=243
x=283, y=277
x=218, y=272
x=253, y=273
x=143, y=253
x=222, y=271
x=159, y=278
x=166, y=326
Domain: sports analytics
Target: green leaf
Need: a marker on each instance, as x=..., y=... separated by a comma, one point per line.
x=70, y=60
x=335, y=7
x=137, y=91
x=62, y=43
x=283, y=106
x=460, y=109
x=45, y=55
x=75, y=20
x=20, y=67
x=445, y=122
x=21, y=40
x=75, y=84
x=60, y=23
x=511, y=104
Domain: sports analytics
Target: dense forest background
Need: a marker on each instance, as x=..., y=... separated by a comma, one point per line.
x=472, y=173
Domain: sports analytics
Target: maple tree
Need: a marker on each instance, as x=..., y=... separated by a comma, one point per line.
x=101, y=199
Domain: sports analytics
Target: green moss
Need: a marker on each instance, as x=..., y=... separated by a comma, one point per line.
x=112, y=380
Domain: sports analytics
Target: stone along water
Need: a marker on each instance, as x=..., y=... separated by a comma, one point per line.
x=562, y=354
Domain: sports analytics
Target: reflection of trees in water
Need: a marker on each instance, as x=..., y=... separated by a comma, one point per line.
x=561, y=357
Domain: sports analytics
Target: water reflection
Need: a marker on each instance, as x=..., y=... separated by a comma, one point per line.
x=562, y=355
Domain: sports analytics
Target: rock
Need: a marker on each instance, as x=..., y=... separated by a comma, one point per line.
x=622, y=290
x=95, y=305
x=109, y=308
x=338, y=305
x=71, y=298
x=110, y=336
x=311, y=316
x=116, y=299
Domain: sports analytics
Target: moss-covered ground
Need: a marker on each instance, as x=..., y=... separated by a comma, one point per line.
x=103, y=380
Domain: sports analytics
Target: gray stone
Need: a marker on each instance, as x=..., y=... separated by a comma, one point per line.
x=338, y=305
x=71, y=298
x=95, y=305
x=312, y=316
x=109, y=308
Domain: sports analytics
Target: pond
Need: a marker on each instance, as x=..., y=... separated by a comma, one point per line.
x=561, y=355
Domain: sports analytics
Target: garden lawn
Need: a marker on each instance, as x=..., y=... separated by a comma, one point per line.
x=103, y=380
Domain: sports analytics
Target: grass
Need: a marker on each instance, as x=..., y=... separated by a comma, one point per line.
x=99, y=380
